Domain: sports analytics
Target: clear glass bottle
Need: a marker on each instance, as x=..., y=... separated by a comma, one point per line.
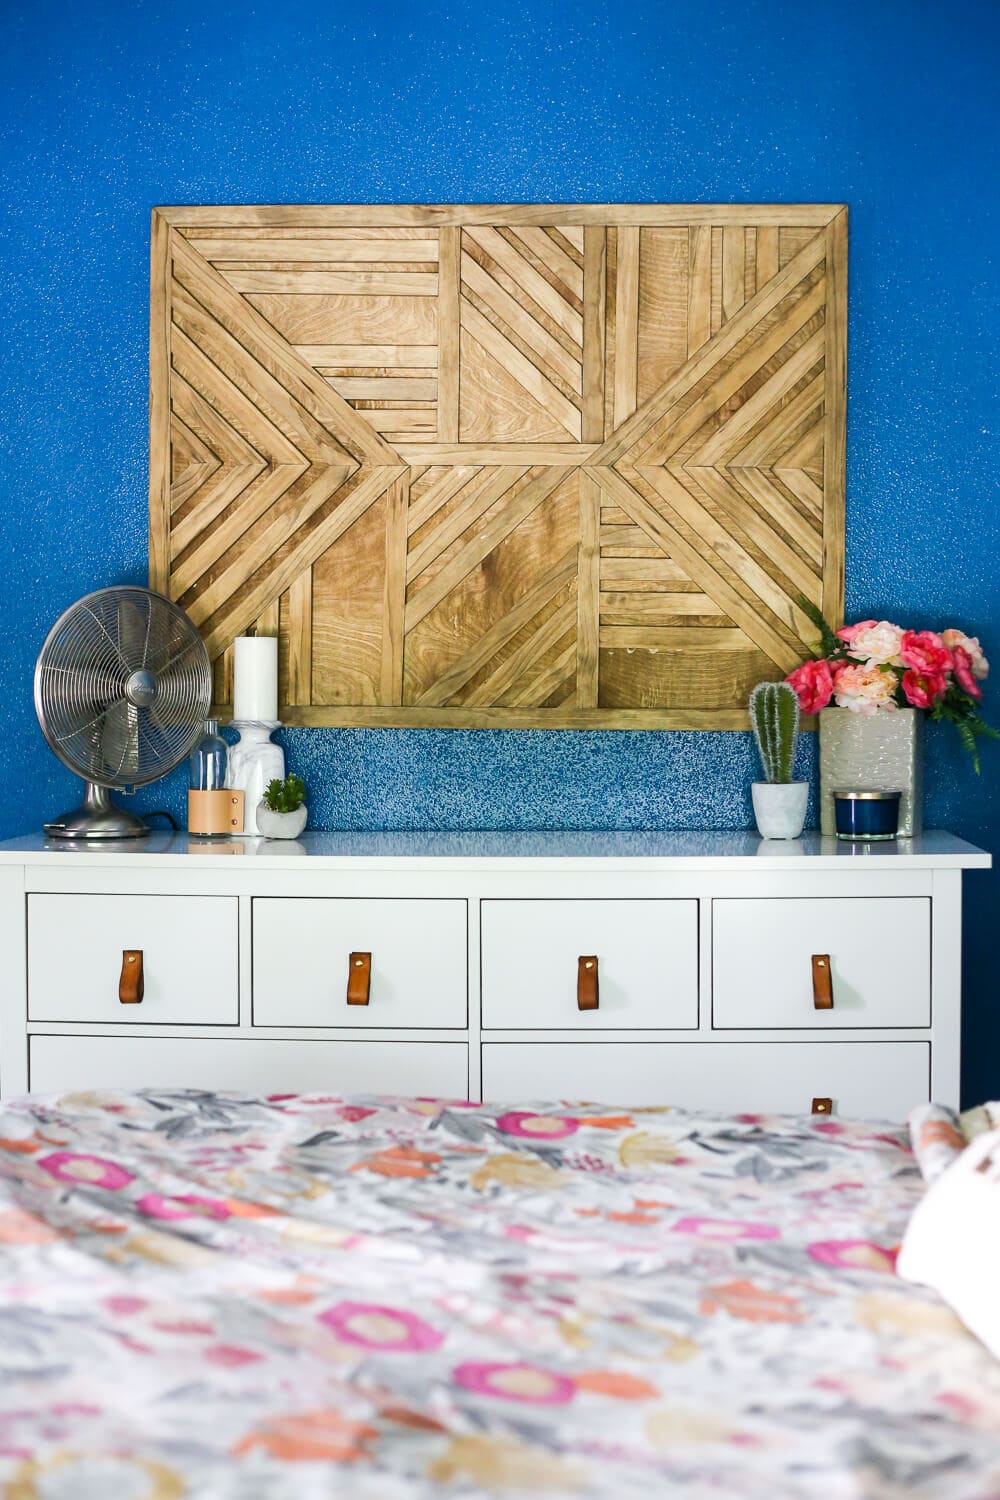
x=209, y=759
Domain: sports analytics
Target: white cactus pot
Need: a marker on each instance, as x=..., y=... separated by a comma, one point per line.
x=281, y=825
x=780, y=809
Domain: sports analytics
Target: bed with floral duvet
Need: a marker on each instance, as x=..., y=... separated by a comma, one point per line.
x=229, y=1298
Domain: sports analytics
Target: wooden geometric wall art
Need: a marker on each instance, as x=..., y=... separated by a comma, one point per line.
x=551, y=466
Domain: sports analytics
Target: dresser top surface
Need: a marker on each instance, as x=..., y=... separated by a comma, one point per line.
x=662, y=851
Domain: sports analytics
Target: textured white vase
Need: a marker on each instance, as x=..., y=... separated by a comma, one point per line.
x=253, y=762
x=882, y=751
x=281, y=825
x=780, y=808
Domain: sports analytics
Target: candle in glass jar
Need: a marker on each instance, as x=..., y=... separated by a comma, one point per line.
x=255, y=679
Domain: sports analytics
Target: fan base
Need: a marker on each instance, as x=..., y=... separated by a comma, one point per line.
x=97, y=817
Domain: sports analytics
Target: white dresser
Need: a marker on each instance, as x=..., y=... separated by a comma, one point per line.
x=700, y=969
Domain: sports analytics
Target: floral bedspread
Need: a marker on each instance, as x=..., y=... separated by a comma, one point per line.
x=204, y=1295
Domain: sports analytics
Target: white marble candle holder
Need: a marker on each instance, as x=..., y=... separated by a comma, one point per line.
x=253, y=762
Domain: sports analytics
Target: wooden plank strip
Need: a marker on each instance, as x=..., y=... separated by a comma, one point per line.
x=673, y=638
x=733, y=270
x=588, y=592
x=566, y=716
x=498, y=525
x=572, y=215
x=423, y=356
x=394, y=591
x=520, y=321
x=300, y=605
x=716, y=296
x=512, y=668
x=767, y=254
x=802, y=487
x=565, y=269
x=620, y=608
x=159, y=403
x=718, y=543
x=774, y=507
x=710, y=354
x=657, y=574
x=725, y=442
x=834, y=441
x=213, y=499
x=766, y=444
x=268, y=620
x=545, y=684
x=595, y=266
x=699, y=286
x=553, y=455
x=626, y=324
x=223, y=437
x=302, y=251
x=258, y=494
x=386, y=388
x=527, y=374
x=449, y=347
x=437, y=494
x=237, y=611
x=335, y=283
x=278, y=357
x=477, y=498
x=504, y=630
x=750, y=263
x=694, y=560
x=759, y=526
x=524, y=275
x=805, y=453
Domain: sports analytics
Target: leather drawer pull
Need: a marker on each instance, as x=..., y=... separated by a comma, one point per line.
x=587, y=982
x=822, y=982
x=359, y=979
x=822, y=1106
x=131, y=986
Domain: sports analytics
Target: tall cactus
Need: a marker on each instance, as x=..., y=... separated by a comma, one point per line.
x=774, y=718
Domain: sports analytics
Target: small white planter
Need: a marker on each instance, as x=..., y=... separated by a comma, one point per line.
x=281, y=825
x=780, y=809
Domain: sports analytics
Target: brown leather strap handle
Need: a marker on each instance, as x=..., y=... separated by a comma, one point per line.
x=359, y=979
x=131, y=986
x=587, y=983
x=822, y=1106
x=822, y=982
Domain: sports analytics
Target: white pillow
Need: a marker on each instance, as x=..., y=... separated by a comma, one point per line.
x=952, y=1242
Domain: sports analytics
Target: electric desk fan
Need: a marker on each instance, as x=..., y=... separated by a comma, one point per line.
x=122, y=687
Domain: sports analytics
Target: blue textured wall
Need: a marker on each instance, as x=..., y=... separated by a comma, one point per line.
x=888, y=105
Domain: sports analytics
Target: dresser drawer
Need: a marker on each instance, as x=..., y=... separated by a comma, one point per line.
x=302, y=951
x=879, y=952
x=873, y=1080
x=60, y=1064
x=190, y=958
x=647, y=964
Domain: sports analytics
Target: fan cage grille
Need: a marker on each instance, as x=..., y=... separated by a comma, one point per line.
x=82, y=686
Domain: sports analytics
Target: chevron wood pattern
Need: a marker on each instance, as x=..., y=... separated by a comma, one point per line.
x=534, y=465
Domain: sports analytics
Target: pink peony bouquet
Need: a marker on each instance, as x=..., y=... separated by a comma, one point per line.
x=876, y=667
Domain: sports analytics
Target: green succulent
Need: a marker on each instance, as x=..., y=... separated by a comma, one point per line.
x=774, y=718
x=285, y=796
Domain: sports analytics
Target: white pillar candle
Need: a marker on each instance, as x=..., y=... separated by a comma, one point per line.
x=255, y=679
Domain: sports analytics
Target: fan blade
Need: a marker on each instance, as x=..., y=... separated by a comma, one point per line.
x=133, y=634
x=120, y=739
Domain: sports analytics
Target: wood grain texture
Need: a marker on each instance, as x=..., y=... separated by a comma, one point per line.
x=564, y=465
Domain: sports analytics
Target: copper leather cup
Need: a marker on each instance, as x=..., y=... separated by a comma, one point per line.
x=214, y=814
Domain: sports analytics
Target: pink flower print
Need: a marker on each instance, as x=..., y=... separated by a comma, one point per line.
x=353, y=1113
x=853, y=1255
x=515, y=1382
x=187, y=1207
x=230, y=1357
x=374, y=1326
x=537, y=1127
x=92, y=1171
x=123, y=1306
x=727, y=1229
